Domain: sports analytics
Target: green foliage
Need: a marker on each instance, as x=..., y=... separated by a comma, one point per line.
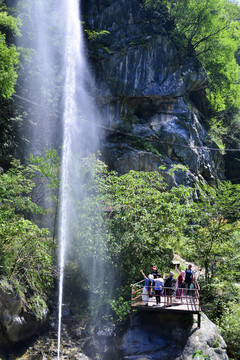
x=49, y=167
x=8, y=62
x=121, y=308
x=38, y=305
x=210, y=30
x=8, y=54
x=10, y=123
x=9, y=22
x=213, y=234
x=213, y=224
x=93, y=34
x=225, y=131
x=146, y=219
x=140, y=143
x=25, y=254
x=200, y=355
x=96, y=47
x=230, y=329
x=121, y=224
x=232, y=140
x=216, y=295
x=128, y=222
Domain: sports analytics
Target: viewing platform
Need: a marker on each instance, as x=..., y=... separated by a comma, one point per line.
x=185, y=301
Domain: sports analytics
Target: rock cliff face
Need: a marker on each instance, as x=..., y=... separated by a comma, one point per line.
x=143, y=88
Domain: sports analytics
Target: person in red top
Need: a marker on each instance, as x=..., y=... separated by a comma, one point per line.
x=179, y=283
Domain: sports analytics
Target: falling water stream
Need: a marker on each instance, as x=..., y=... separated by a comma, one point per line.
x=79, y=136
x=58, y=79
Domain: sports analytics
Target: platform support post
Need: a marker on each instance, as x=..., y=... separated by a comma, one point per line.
x=131, y=323
x=199, y=320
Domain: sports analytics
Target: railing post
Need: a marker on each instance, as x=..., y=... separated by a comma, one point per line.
x=131, y=323
x=131, y=294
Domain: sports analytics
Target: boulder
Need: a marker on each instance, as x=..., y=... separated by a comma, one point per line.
x=171, y=336
x=207, y=340
x=17, y=321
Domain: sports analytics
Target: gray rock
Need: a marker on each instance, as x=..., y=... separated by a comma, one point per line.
x=168, y=336
x=206, y=339
x=143, y=89
x=17, y=321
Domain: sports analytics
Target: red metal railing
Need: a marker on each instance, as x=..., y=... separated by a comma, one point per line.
x=188, y=298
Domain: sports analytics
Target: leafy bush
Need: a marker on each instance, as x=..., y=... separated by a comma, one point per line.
x=9, y=55
x=215, y=297
x=230, y=329
x=209, y=29
x=121, y=308
x=25, y=252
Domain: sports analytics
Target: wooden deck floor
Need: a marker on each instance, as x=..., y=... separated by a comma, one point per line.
x=186, y=305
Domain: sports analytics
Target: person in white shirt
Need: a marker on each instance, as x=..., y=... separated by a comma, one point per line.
x=158, y=285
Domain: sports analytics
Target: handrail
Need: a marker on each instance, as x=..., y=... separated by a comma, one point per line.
x=191, y=300
x=138, y=283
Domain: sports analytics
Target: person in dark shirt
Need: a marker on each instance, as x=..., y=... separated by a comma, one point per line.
x=154, y=272
x=189, y=277
x=168, y=285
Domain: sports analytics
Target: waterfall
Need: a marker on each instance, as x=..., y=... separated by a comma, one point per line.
x=79, y=133
x=59, y=62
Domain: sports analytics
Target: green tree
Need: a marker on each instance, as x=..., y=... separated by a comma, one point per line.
x=147, y=219
x=25, y=253
x=209, y=29
x=214, y=224
x=9, y=55
x=121, y=224
x=230, y=329
x=49, y=167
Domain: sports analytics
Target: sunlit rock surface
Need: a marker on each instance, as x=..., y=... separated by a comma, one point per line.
x=17, y=321
x=144, y=89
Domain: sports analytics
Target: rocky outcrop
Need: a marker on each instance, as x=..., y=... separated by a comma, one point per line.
x=143, y=89
x=17, y=321
x=153, y=337
x=172, y=337
x=207, y=340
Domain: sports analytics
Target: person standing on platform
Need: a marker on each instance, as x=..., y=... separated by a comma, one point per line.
x=180, y=283
x=189, y=277
x=158, y=285
x=147, y=287
x=168, y=286
x=154, y=273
